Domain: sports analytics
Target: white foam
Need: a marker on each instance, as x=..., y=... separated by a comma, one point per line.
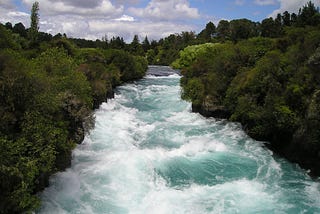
x=197, y=146
x=171, y=76
x=241, y=196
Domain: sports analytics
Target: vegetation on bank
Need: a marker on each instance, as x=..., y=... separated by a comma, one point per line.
x=268, y=80
x=48, y=89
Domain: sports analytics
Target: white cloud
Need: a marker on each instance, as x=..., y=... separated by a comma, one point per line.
x=93, y=8
x=97, y=18
x=240, y=2
x=125, y=18
x=265, y=2
x=166, y=10
x=154, y=30
x=13, y=16
x=292, y=6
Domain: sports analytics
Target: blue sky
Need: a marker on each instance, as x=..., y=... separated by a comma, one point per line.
x=94, y=19
x=235, y=9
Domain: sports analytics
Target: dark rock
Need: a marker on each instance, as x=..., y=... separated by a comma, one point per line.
x=110, y=94
x=209, y=108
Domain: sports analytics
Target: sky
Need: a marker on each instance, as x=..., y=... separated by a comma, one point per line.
x=95, y=19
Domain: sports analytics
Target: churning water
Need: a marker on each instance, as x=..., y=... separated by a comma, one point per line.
x=149, y=154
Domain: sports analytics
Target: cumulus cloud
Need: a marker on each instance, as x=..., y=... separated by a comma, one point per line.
x=13, y=16
x=292, y=6
x=96, y=18
x=128, y=29
x=166, y=10
x=93, y=28
x=265, y=2
x=78, y=7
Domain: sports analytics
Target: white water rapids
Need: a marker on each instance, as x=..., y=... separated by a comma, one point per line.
x=148, y=153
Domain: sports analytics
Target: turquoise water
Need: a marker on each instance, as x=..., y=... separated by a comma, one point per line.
x=149, y=154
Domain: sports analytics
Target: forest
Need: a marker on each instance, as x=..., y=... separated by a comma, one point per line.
x=263, y=75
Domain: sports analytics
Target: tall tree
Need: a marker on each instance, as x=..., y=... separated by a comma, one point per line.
x=146, y=44
x=117, y=43
x=286, y=18
x=242, y=29
x=208, y=33
x=34, y=26
x=135, y=46
x=223, y=29
x=308, y=15
x=268, y=27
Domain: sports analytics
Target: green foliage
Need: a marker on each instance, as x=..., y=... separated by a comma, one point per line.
x=223, y=30
x=193, y=91
x=208, y=33
x=270, y=28
x=242, y=29
x=46, y=100
x=190, y=54
x=20, y=29
x=6, y=39
x=130, y=67
x=308, y=15
x=65, y=44
x=135, y=46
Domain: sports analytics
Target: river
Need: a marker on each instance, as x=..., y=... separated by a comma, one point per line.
x=148, y=153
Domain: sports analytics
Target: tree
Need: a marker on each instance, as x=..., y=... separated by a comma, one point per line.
x=242, y=29
x=20, y=29
x=286, y=18
x=269, y=28
x=293, y=19
x=223, y=29
x=117, y=43
x=135, y=46
x=308, y=15
x=8, y=25
x=34, y=26
x=146, y=44
x=208, y=33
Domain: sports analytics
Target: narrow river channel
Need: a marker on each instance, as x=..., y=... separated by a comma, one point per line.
x=148, y=153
